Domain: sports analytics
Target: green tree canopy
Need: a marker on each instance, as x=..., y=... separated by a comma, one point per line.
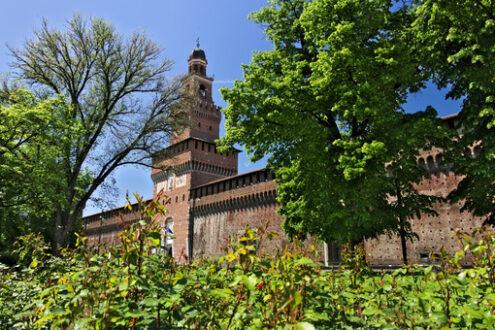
x=457, y=38
x=326, y=105
x=30, y=169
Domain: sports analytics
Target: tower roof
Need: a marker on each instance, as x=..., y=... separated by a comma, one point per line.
x=197, y=52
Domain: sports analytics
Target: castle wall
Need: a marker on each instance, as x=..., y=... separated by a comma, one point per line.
x=102, y=229
x=212, y=228
x=434, y=231
x=224, y=208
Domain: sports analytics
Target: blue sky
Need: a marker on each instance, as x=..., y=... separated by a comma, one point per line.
x=225, y=33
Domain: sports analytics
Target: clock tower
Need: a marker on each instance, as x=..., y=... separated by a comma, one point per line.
x=192, y=158
x=204, y=117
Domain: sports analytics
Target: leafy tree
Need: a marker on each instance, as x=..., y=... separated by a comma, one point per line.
x=326, y=104
x=457, y=40
x=417, y=132
x=120, y=107
x=30, y=169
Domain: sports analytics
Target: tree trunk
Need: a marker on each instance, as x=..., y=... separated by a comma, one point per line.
x=61, y=226
x=403, y=241
x=402, y=232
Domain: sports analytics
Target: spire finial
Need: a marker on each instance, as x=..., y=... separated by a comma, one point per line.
x=197, y=42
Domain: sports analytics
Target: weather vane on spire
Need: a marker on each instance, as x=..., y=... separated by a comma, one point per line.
x=197, y=42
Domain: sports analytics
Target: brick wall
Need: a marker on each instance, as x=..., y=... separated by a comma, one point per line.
x=435, y=232
x=224, y=208
x=103, y=228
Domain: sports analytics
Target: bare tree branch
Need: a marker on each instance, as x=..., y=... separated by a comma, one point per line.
x=120, y=102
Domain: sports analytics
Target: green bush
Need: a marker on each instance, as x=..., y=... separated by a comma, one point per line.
x=129, y=287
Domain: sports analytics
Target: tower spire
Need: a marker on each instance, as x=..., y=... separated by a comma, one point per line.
x=197, y=42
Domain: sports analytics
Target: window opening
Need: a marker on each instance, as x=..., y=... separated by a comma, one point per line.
x=430, y=162
x=167, y=240
x=333, y=252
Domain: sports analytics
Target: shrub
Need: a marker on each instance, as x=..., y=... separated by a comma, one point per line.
x=128, y=287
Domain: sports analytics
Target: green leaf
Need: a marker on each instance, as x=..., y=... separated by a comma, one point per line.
x=223, y=292
x=34, y=263
x=155, y=238
x=250, y=282
x=304, y=326
x=297, y=298
x=57, y=310
x=44, y=319
x=491, y=298
x=151, y=301
x=305, y=261
x=123, y=286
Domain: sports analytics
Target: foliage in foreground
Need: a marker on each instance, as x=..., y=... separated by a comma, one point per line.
x=128, y=287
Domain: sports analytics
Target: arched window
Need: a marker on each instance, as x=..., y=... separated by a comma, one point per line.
x=421, y=162
x=430, y=163
x=202, y=90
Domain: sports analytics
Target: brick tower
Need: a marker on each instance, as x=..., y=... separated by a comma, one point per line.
x=191, y=159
